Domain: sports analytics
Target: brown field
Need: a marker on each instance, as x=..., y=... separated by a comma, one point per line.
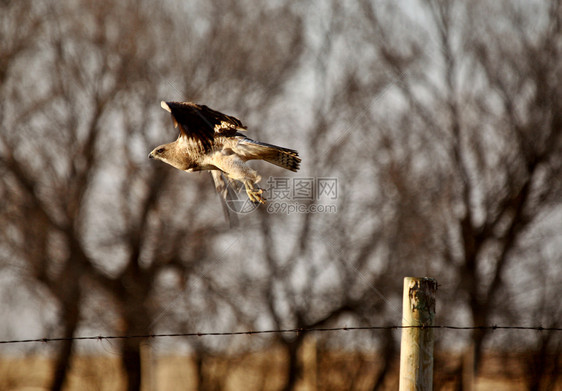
x=251, y=371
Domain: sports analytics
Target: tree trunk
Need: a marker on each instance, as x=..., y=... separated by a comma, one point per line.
x=68, y=295
x=64, y=355
x=293, y=365
x=131, y=359
x=479, y=318
x=136, y=324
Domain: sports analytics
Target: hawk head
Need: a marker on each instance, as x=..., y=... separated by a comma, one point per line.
x=171, y=154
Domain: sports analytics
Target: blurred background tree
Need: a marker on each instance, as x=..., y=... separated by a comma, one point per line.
x=440, y=120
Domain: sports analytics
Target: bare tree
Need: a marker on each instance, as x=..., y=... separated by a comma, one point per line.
x=455, y=138
x=321, y=269
x=85, y=208
x=441, y=126
x=486, y=108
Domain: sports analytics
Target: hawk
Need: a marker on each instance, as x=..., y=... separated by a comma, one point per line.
x=210, y=140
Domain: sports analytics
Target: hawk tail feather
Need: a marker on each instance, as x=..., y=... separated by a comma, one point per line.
x=283, y=157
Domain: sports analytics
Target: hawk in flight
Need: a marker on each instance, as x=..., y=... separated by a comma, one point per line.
x=210, y=140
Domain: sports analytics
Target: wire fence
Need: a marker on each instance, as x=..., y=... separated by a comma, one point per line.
x=276, y=331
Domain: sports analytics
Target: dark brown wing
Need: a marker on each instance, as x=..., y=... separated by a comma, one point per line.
x=201, y=123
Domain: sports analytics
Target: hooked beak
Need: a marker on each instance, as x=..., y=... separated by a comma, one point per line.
x=150, y=155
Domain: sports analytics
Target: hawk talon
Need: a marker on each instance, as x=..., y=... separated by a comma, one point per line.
x=255, y=195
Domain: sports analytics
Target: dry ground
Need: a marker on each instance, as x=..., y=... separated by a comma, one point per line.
x=255, y=371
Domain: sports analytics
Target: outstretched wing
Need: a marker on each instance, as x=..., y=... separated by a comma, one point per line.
x=200, y=123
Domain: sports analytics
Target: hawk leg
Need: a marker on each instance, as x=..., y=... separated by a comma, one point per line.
x=236, y=169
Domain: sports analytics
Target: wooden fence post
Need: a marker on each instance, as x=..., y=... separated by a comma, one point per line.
x=416, y=349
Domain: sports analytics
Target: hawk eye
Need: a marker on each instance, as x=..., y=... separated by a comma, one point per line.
x=160, y=150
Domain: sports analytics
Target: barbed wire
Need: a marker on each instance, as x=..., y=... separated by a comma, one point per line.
x=276, y=331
